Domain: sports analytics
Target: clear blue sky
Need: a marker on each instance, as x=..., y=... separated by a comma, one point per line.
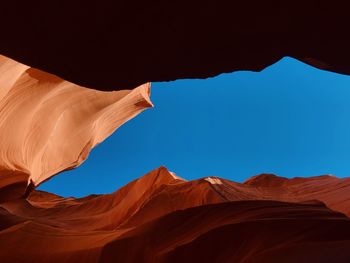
x=290, y=119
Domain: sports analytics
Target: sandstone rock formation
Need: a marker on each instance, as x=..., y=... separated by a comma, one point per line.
x=161, y=217
x=48, y=125
x=116, y=45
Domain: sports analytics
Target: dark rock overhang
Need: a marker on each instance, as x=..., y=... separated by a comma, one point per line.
x=111, y=45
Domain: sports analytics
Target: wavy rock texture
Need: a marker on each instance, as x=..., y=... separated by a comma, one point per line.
x=116, y=45
x=48, y=125
x=161, y=217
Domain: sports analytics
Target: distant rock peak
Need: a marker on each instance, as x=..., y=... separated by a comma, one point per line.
x=266, y=180
x=161, y=175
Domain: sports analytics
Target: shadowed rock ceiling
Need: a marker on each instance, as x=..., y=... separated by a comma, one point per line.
x=111, y=45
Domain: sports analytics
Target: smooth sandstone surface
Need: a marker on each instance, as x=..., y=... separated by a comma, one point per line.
x=48, y=125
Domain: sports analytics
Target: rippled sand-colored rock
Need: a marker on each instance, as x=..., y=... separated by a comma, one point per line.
x=48, y=125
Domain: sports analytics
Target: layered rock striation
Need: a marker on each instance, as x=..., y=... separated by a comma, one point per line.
x=48, y=125
x=161, y=217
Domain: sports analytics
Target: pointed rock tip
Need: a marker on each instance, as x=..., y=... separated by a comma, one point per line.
x=162, y=173
x=145, y=92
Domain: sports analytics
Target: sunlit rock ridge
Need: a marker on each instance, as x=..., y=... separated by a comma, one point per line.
x=48, y=125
